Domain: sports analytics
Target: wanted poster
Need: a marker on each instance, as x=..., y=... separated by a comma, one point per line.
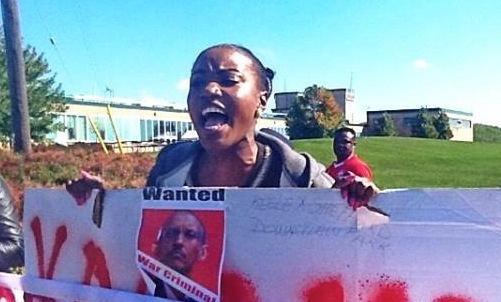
x=181, y=243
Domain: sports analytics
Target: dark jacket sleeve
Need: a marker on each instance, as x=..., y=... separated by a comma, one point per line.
x=11, y=238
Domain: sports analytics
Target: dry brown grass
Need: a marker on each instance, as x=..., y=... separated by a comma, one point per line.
x=50, y=167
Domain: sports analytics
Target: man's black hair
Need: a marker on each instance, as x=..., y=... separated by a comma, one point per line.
x=344, y=129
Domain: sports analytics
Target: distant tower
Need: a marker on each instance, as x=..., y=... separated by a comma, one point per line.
x=349, y=110
x=345, y=98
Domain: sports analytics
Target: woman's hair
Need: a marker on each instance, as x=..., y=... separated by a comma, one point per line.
x=265, y=74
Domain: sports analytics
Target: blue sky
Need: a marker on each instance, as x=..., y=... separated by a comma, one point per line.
x=395, y=54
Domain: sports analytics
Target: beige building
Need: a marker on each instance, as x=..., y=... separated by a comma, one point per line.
x=132, y=121
x=461, y=123
x=345, y=99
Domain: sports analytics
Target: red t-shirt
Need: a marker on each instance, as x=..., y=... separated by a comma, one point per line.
x=353, y=164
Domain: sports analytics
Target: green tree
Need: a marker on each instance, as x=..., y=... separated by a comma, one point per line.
x=441, y=123
x=315, y=114
x=45, y=97
x=300, y=120
x=385, y=126
x=424, y=125
x=486, y=133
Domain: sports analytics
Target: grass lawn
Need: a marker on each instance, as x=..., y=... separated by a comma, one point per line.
x=400, y=162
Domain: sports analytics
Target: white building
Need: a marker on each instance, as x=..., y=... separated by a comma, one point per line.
x=131, y=120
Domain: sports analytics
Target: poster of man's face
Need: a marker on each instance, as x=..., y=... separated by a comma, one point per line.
x=181, y=244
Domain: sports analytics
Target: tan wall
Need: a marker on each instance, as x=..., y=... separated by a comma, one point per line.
x=270, y=123
x=462, y=134
x=140, y=112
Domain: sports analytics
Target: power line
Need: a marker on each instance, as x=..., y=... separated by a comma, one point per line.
x=90, y=55
x=52, y=41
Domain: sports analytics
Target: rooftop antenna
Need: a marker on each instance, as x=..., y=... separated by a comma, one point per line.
x=351, y=80
x=110, y=91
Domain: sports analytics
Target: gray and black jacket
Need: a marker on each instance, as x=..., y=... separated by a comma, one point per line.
x=281, y=166
x=11, y=236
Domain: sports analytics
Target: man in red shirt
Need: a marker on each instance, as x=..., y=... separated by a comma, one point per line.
x=346, y=160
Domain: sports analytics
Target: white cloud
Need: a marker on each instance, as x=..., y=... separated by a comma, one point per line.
x=421, y=64
x=183, y=84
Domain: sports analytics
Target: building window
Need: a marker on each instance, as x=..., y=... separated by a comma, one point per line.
x=161, y=128
x=142, y=125
x=459, y=123
x=76, y=128
x=71, y=127
x=81, y=128
x=100, y=124
x=149, y=130
x=71, y=133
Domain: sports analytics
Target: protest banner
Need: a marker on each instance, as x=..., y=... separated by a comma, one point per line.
x=439, y=245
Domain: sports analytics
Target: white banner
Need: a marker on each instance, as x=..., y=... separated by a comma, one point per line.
x=286, y=244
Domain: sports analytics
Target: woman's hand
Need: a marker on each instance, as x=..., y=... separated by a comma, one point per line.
x=81, y=188
x=358, y=191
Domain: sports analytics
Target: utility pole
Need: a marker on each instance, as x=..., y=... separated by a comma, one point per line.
x=17, y=78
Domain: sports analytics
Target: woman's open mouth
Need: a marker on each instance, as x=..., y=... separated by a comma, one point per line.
x=214, y=118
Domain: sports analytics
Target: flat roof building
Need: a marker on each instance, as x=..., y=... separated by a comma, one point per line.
x=461, y=123
x=345, y=98
x=132, y=121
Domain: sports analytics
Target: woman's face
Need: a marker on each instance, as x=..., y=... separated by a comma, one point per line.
x=223, y=98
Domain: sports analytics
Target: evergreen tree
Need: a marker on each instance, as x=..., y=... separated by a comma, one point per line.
x=424, y=126
x=442, y=126
x=45, y=98
x=385, y=126
x=315, y=114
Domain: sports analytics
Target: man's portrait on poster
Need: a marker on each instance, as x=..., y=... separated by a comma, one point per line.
x=181, y=242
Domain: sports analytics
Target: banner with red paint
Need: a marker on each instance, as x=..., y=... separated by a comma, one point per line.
x=438, y=245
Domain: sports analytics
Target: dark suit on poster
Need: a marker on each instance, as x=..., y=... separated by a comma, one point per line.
x=164, y=290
